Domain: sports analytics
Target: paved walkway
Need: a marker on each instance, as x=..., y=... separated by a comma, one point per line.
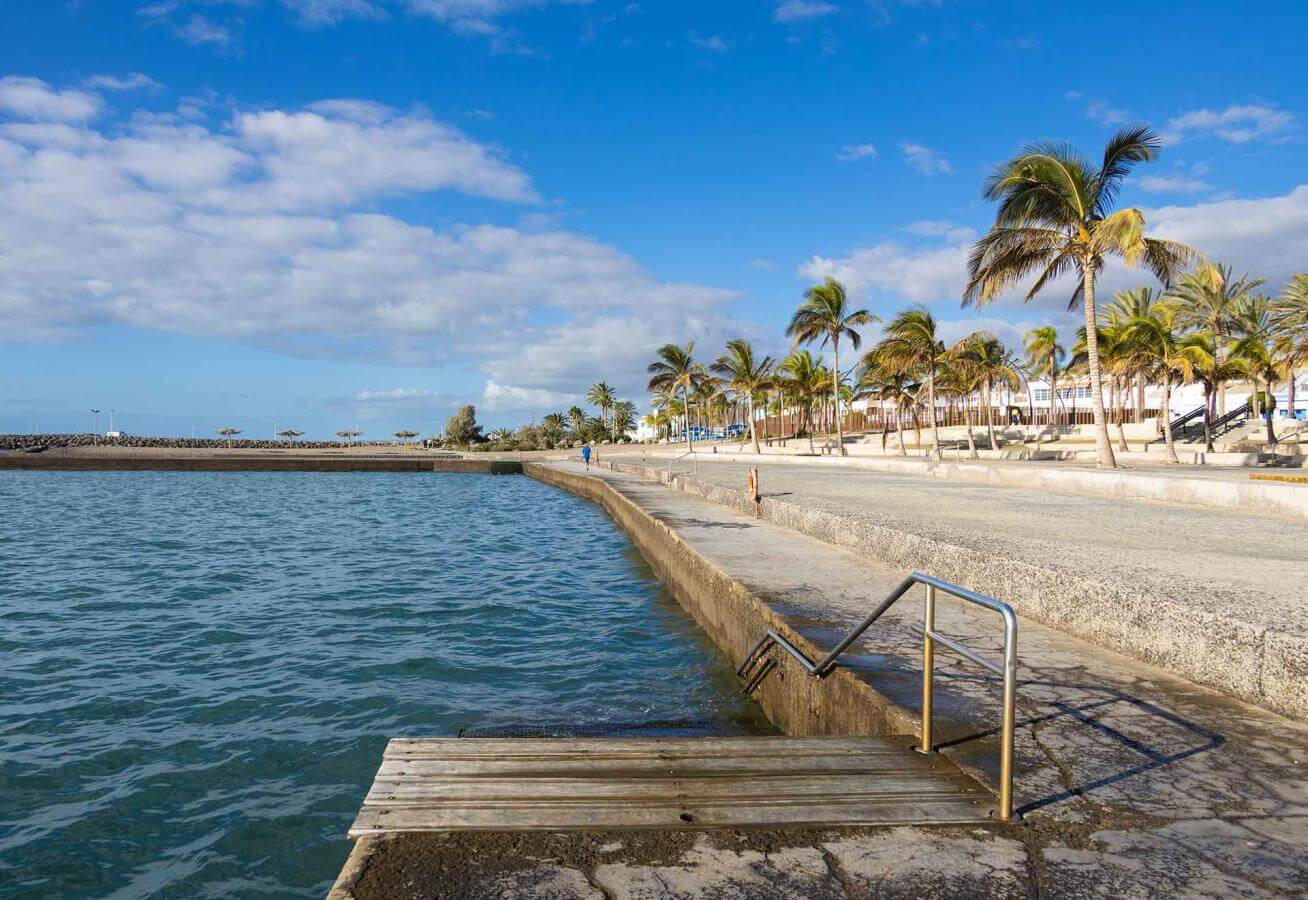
x=1133, y=783
x=1218, y=596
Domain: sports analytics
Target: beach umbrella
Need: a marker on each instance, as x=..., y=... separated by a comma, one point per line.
x=345, y=435
x=405, y=436
x=289, y=433
x=228, y=433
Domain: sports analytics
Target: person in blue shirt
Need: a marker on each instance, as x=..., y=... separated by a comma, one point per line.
x=585, y=455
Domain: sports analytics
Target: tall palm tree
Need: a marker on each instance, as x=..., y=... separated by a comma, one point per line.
x=825, y=315
x=553, y=425
x=1209, y=369
x=1045, y=354
x=1210, y=300
x=603, y=396
x=676, y=371
x=912, y=342
x=1292, y=340
x=576, y=418
x=623, y=417
x=986, y=358
x=1156, y=335
x=1056, y=218
x=746, y=376
x=806, y=378
x=888, y=383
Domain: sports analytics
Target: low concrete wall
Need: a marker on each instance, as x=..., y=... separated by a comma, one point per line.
x=236, y=463
x=1258, y=665
x=1248, y=495
x=734, y=617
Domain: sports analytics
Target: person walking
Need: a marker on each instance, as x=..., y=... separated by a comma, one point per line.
x=585, y=455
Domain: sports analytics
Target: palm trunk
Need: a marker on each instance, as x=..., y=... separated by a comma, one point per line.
x=1166, y=413
x=990, y=418
x=935, y=427
x=1053, y=393
x=1103, y=445
x=1289, y=396
x=1208, y=418
x=753, y=434
x=971, y=439
x=1121, y=417
x=835, y=393
x=685, y=401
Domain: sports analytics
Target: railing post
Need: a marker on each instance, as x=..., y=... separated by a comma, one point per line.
x=928, y=668
x=1010, y=717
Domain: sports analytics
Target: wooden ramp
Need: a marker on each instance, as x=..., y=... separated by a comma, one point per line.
x=568, y=784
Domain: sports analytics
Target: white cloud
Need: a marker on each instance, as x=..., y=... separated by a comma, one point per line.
x=1098, y=110
x=31, y=98
x=1236, y=124
x=916, y=274
x=926, y=160
x=134, y=81
x=852, y=152
x=710, y=42
x=1267, y=236
x=1167, y=184
x=199, y=30
x=498, y=397
x=261, y=229
x=329, y=12
x=392, y=395
x=800, y=10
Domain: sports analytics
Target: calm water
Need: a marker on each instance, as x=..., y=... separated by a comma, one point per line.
x=200, y=671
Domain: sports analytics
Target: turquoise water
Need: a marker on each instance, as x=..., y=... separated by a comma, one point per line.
x=200, y=671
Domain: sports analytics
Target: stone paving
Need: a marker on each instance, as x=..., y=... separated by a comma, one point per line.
x=1131, y=782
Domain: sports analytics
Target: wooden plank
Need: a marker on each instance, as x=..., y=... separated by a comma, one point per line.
x=501, y=784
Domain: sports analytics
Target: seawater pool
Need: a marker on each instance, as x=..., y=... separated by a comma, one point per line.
x=200, y=670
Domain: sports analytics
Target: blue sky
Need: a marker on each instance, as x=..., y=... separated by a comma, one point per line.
x=359, y=213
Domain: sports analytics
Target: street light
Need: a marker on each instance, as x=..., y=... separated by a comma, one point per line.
x=94, y=424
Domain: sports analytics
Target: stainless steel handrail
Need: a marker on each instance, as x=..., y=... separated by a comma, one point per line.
x=930, y=638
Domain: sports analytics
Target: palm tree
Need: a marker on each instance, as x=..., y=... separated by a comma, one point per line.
x=228, y=433
x=1044, y=352
x=1210, y=299
x=912, y=343
x=746, y=376
x=623, y=417
x=1155, y=335
x=825, y=315
x=603, y=396
x=676, y=371
x=576, y=418
x=805, y=378
x=1292, y=340
x=553, y=425
x=986, y=358
x=888, y=383
x=1055, y=218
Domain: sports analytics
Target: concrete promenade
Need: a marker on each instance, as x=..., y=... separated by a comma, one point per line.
x=1132, y=782
x=1224, y=487
x=1216, y=596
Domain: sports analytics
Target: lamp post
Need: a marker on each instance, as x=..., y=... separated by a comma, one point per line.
x=95, y=423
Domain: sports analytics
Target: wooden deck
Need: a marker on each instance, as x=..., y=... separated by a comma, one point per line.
x=566, y=784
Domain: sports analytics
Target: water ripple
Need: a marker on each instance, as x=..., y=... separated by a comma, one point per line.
x=201, y=670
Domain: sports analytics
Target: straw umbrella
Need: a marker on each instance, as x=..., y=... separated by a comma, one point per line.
x=289, y=433
x=405, y=436
x=228, y=433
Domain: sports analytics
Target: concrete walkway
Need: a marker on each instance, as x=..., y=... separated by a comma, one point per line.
x=1214, y=595
x=1224, y=487
x=1132, y=782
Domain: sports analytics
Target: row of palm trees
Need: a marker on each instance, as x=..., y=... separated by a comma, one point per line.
x=1056, y=217
x=616, y=418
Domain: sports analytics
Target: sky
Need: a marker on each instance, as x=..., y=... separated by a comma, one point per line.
x=340, y=214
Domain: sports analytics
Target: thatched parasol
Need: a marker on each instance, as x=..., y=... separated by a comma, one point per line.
x=228, y=433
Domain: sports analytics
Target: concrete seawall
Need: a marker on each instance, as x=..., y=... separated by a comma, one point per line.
x=735, y=617
x=249, y=463
x=1254, y=663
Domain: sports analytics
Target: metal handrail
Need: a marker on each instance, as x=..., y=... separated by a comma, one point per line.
x=930, y=637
